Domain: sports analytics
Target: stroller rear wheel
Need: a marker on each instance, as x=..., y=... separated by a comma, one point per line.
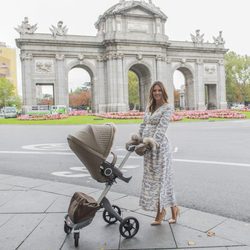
x=129, y=227
x=109, y=218
x=67, y=229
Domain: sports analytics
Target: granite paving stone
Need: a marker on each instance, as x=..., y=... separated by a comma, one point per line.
x=184, y=236
x=66, y=189
x=4, y=187
x=18, y=228
x=28, y=202
x=235, y=230
x=200, y=220
x=49, y=233
x=6, y=196
x=24, y=181
x=60, y=205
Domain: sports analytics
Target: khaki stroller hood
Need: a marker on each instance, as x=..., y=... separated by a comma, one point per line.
x=92, y=145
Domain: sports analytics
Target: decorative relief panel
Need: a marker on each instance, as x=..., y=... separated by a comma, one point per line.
x=138, y=11
x=136, y=26
x=210, y=73
x=44, y=66
x=210, y=69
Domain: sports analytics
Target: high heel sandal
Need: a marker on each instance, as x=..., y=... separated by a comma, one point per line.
x=175, y=212
x=159, y=217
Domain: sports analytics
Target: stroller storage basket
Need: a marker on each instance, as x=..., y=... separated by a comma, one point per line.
x=82, y=207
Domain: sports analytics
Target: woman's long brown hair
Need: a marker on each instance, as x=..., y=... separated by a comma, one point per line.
x=152, y=102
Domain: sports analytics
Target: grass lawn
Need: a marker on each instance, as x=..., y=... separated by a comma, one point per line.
x=72, y=120
x=77, y=120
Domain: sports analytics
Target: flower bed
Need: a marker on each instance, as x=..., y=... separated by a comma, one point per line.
x=218, y=113
x=42, y=117
x=78, y=112
x=179, y=115
x=122, y=115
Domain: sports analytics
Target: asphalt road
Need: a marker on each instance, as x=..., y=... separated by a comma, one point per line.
x=211, y=162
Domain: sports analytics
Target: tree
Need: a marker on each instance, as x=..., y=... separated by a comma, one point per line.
x=7, y=92
x=80, y=98
x=237, y=78
x=133, y=90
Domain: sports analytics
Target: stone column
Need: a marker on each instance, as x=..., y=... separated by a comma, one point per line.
x=159, y=68
x=221, y=85
x=110, y=83
x=101, y=86
x=28, y=88
x=199, y=88
x=61, y=87
x=122, y=102
x=168, y=81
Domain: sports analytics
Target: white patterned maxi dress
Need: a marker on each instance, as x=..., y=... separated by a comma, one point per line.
x=157, y=185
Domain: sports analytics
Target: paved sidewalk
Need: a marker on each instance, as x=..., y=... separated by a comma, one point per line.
x=32, y=218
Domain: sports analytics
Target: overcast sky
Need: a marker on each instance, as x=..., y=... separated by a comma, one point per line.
x=184, y=17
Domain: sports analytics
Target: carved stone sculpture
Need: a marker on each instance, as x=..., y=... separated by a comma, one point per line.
x=60, y=30
x=25, y=27
x=197, y=38
x=219, y=39
x=43, y=66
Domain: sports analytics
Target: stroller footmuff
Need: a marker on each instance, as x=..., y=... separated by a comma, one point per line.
x=92, y=145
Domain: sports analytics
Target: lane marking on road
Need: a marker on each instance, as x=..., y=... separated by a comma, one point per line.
x=175, y=150
x=47, y=146
x=131, y=157
x=36, y=152
x=213, y=162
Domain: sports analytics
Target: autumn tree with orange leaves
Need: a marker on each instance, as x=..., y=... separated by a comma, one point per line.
x=80, y=98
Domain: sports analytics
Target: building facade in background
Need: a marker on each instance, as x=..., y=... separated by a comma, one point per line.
x=130, y=37
x=8, y=64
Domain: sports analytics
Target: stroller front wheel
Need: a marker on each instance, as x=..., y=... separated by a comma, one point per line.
x=129, y=227
x=76, y=238
x=109, y=218
x=67, y=229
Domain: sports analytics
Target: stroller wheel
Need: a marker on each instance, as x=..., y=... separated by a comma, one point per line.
x=76, y=237
x=67, y=229
x=129, y=227
x=109, y=218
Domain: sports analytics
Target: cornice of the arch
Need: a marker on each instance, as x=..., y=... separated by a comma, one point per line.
x=85, y=64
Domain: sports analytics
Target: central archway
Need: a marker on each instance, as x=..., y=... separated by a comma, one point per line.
x=89, y=69
x=79, y=85
x=144, y=82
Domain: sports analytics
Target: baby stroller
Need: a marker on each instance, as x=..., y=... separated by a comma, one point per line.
x=92, y=145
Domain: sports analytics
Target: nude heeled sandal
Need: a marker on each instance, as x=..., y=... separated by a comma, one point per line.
x=159, y=218
x=175, y=212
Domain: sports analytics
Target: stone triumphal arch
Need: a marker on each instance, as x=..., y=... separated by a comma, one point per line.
x=131, y=36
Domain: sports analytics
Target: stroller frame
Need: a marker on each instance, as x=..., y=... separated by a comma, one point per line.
x=129, y=226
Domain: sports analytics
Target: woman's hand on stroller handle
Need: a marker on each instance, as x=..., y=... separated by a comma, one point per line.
x=131, y=148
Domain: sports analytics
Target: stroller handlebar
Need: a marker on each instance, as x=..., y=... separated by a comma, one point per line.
x=131, y=148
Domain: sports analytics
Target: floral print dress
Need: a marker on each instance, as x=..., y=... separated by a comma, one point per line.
x=157, y=184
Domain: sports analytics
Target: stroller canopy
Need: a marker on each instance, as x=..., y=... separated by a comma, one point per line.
x=92, y=145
